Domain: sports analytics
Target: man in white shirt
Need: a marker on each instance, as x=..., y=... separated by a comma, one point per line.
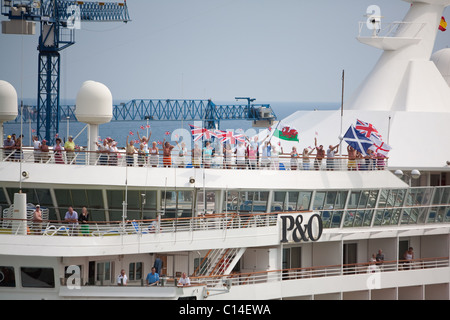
x=122, y=278
x=36, y=149
x=241, y=151
x=184, y=280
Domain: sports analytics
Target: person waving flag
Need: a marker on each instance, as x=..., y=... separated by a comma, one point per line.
x=357, y=140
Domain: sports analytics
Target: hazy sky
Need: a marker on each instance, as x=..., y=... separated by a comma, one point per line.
x=272, y=50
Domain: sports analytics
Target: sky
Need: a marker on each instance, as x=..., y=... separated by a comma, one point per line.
x=270, y=50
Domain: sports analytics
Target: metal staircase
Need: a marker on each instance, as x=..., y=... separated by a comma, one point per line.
x=219, y=261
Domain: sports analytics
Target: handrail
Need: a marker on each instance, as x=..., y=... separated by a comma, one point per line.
x=217, y=161
x=395, y=29
x=322, y=271
x=148, y=226
x=259, y=277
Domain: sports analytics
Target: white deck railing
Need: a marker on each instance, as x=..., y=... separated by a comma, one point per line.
x=261, y=277
x=115, y=228
x=217, y=161
x=239, y=279
x=396, y=29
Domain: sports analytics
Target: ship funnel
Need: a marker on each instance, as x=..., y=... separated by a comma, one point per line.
x=404, y=78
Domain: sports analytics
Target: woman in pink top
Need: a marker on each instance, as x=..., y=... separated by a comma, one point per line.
x=57, y=149
x=252, y=157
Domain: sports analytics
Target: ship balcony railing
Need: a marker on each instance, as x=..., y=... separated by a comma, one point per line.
x=141, y=227
x=261, y=277
x=283, y=162
x=375, y=28
x=238, y=279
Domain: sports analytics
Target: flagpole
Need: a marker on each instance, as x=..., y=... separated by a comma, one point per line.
x=272, y=133
x=342, y=111
x=389, y=129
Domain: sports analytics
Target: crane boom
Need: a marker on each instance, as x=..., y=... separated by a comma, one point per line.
x=58, y=21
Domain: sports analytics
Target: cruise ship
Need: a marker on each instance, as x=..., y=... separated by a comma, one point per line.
x=278, y=230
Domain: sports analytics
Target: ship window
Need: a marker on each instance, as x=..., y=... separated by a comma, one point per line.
x=447, y=215
x=319, y=198
x=116, y=198
x=341, y=197
x=35, y=196
x=179, y=203
x=246, y=201
x=419, y=197
x=354, y=199
x=304, y=200
x=7, y=277
x=97, y=215
x=3, y=197
x=79, y=198
x=135, y=270
x=330, y=199
x=445, y=196
x=441, y=196
x=95, y=198
x=3, y=202
x=63, y=197
x=116, y=215
x=104, y=272
x=383, y=198
x=33, y=277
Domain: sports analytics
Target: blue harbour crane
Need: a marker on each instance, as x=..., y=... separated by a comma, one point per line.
x=58, y=20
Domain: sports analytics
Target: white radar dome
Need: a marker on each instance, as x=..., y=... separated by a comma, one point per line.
x=8, y=102
x=441, y=59
x=94, y=103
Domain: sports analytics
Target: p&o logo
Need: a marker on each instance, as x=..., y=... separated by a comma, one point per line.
x=301, y=228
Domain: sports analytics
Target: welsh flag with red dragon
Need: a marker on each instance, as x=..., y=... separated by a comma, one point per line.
x=286, y=132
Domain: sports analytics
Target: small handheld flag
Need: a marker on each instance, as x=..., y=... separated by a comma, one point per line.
x=443, y=24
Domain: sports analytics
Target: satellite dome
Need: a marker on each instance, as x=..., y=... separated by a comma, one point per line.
x=441, y=59
x=94, y=103
x=8, y=102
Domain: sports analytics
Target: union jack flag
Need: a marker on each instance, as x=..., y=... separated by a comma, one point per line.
x=368, y=130
x=199, y=132
x=229, y=136
x=142, y=127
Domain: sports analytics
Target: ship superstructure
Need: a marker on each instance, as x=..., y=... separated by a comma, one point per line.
x=273, y=231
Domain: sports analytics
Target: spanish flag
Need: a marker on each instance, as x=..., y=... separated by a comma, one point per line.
x=443, y=24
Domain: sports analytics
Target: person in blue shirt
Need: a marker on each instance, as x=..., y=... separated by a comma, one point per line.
x=152, y=278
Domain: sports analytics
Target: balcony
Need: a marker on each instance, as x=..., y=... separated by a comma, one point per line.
x=390, y=36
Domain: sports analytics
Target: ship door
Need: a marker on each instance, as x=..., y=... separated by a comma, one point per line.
x=403, y=246
x=349, y=257
x=91, y=273
x=292, y=260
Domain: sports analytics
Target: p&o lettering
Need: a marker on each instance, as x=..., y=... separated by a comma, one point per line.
x=312, y=230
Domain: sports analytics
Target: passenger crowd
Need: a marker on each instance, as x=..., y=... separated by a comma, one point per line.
x=251, y=154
